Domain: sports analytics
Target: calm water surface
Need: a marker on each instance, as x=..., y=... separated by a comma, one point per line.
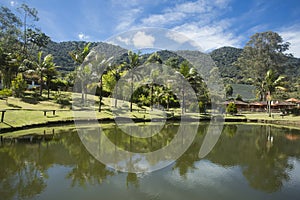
x=244, y=164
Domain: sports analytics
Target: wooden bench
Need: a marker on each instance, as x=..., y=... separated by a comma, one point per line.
x=282, y=114
x=45, y=112
x=2, y=115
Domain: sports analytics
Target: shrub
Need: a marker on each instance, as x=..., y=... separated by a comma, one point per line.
x=62, y=98
x=231, y=108
x=5, y=93
x=19, y=86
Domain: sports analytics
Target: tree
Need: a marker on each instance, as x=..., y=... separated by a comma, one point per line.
x=133, y=62
x=29, y=13
x=37, y=38
x=100, y=66
x=19, y=85
x=10, y=26
x=231, y=108
x=228, y=90
x=272, y=82
x=50, y=74
x=78, y=57
x=43, y=66
x=263, y=52
x=9, y=65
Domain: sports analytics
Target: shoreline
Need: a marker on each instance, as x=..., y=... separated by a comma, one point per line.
x=283, y=123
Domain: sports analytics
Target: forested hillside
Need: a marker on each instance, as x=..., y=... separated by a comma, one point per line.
x=60, y=52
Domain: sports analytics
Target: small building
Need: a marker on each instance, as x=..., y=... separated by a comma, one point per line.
x=258, y=106
x=240, y=105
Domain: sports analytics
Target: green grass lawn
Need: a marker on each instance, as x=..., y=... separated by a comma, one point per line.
x=27, y=111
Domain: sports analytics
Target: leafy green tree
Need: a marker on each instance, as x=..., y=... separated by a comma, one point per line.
x=263, y=52
x=37, y=38
x=231, y=108
x=28, y=14
x=19, y=86
x=228, y=90
x=9, y=66
x=10, y=25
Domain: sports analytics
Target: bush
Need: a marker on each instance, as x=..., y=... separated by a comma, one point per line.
x=19, y=86
x=5, y=93
x=231, y=108
x=62, y=98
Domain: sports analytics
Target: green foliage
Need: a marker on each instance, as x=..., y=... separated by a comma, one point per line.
x=5, y=93
x=228, y=90
x=231, y=108
x=19, y=86
x=62, y=98
x=224, y=58
x=239, y=97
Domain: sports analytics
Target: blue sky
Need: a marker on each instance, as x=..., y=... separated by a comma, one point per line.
x=212, y=24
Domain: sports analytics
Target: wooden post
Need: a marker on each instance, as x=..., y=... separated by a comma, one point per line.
x=2, y=115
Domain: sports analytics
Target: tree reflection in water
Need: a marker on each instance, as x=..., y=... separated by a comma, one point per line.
x=266, y=165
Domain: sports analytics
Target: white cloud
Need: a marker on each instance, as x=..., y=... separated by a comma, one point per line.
x=163, y=19
x=201, y=11
x=177, y=37
x=127, y=19
x=82, y=36
x=13, y=3
x=291, y=35
x=211, y=36
x=142, y=40
x=123, y=40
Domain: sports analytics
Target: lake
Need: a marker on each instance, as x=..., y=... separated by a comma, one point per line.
x=248, y=162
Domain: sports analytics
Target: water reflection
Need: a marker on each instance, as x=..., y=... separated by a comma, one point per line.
x=266, y=165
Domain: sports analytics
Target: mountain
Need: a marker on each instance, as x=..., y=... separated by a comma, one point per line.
x=224, y=58
x=60, y=52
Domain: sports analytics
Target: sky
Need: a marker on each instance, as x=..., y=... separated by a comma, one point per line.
x=210, y=23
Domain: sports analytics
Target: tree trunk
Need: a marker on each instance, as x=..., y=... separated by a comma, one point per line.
x=183, y=103
x=42, y=83
x=151, y=97
x=100, y=94
x=116, y=97
x=131, y=97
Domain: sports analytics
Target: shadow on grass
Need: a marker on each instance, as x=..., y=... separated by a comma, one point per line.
x=13, y=105
x=30, y=100
x=7, y=124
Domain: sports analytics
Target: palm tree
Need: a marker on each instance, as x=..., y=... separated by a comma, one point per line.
x=101, y=69
x=78, y=56
x=133, y=62
x=272, y=82
x=42, y=66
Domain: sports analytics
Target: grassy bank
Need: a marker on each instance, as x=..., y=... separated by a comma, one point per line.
x=28, y=113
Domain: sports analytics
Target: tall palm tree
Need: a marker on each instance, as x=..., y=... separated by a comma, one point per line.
x=272, y=82
x=101, y=68
x=78, y=57
x=133, y=62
